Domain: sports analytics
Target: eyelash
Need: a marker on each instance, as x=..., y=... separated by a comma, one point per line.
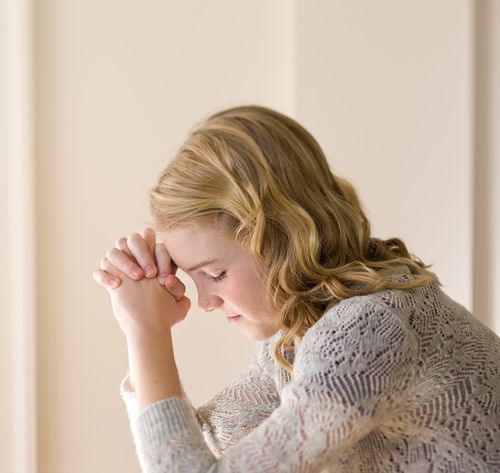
x=219, y=277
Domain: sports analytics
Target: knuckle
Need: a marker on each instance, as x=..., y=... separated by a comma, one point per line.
x=135, y=270
x=135, y=238
x=148, y=231
x=112, y=282
x=121, y=242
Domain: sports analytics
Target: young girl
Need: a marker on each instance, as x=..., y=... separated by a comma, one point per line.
x=363, y=364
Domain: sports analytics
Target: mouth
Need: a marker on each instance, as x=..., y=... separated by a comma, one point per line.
x=233, y=318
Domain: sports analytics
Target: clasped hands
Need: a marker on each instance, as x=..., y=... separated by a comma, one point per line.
x=139, y=275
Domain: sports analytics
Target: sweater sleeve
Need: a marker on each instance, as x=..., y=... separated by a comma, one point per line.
x=239, y=407
x=233, y=412
x=351, y=370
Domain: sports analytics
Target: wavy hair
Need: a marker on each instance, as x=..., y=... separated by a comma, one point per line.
x=267, y=179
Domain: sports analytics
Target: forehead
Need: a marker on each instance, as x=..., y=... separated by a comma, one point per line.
x=195, y=233
x=192, y=243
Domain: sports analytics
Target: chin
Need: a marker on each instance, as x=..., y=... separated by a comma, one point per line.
x=260, y=335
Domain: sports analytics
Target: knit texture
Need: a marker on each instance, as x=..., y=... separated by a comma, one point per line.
x=394, y=381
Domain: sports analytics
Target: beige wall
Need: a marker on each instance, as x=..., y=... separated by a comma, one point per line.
x=118, y=86
x=386, y=87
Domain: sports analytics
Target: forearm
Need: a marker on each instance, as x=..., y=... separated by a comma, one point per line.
x=153, y=370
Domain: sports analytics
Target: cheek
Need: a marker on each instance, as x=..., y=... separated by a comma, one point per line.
x=234, y=292
x=250, y=291
x=240, y=291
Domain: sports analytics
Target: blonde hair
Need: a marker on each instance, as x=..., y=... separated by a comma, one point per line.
x=267, y=179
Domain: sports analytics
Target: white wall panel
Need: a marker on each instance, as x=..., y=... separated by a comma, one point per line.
x=17, y=278
x=487, y=164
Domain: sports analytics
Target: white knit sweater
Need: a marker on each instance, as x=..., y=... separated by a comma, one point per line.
x=395, y=381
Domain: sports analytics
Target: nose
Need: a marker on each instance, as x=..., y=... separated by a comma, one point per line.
x=208, y=302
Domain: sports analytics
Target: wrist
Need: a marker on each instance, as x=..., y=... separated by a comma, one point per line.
x=153, y=371
x=142, y=335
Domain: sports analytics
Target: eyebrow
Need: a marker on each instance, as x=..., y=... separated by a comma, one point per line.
x=203, y=263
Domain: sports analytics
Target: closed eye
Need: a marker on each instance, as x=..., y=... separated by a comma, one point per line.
x=218, y=278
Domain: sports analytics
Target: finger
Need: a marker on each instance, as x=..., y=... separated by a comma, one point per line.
x=105, y=279
x=123, y=263
x=149, y=236
x=186, y=303
x=122, y=245
x=165, y=264
x=175, y=286
x=112, y=270
x=144, y=257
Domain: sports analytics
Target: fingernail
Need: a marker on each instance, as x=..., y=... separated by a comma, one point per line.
x=137, y=272
x=161, y=279
x=150, y=271
x=114, y=283
x=170, y=279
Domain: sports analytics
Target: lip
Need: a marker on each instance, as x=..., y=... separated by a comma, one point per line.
x=233, y=318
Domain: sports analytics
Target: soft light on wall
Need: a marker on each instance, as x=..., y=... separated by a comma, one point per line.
x=102, y=93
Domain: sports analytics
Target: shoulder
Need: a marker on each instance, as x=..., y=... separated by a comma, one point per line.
x=359, y=314
x=357, y=334
x=378, y=313
x=359, y=350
